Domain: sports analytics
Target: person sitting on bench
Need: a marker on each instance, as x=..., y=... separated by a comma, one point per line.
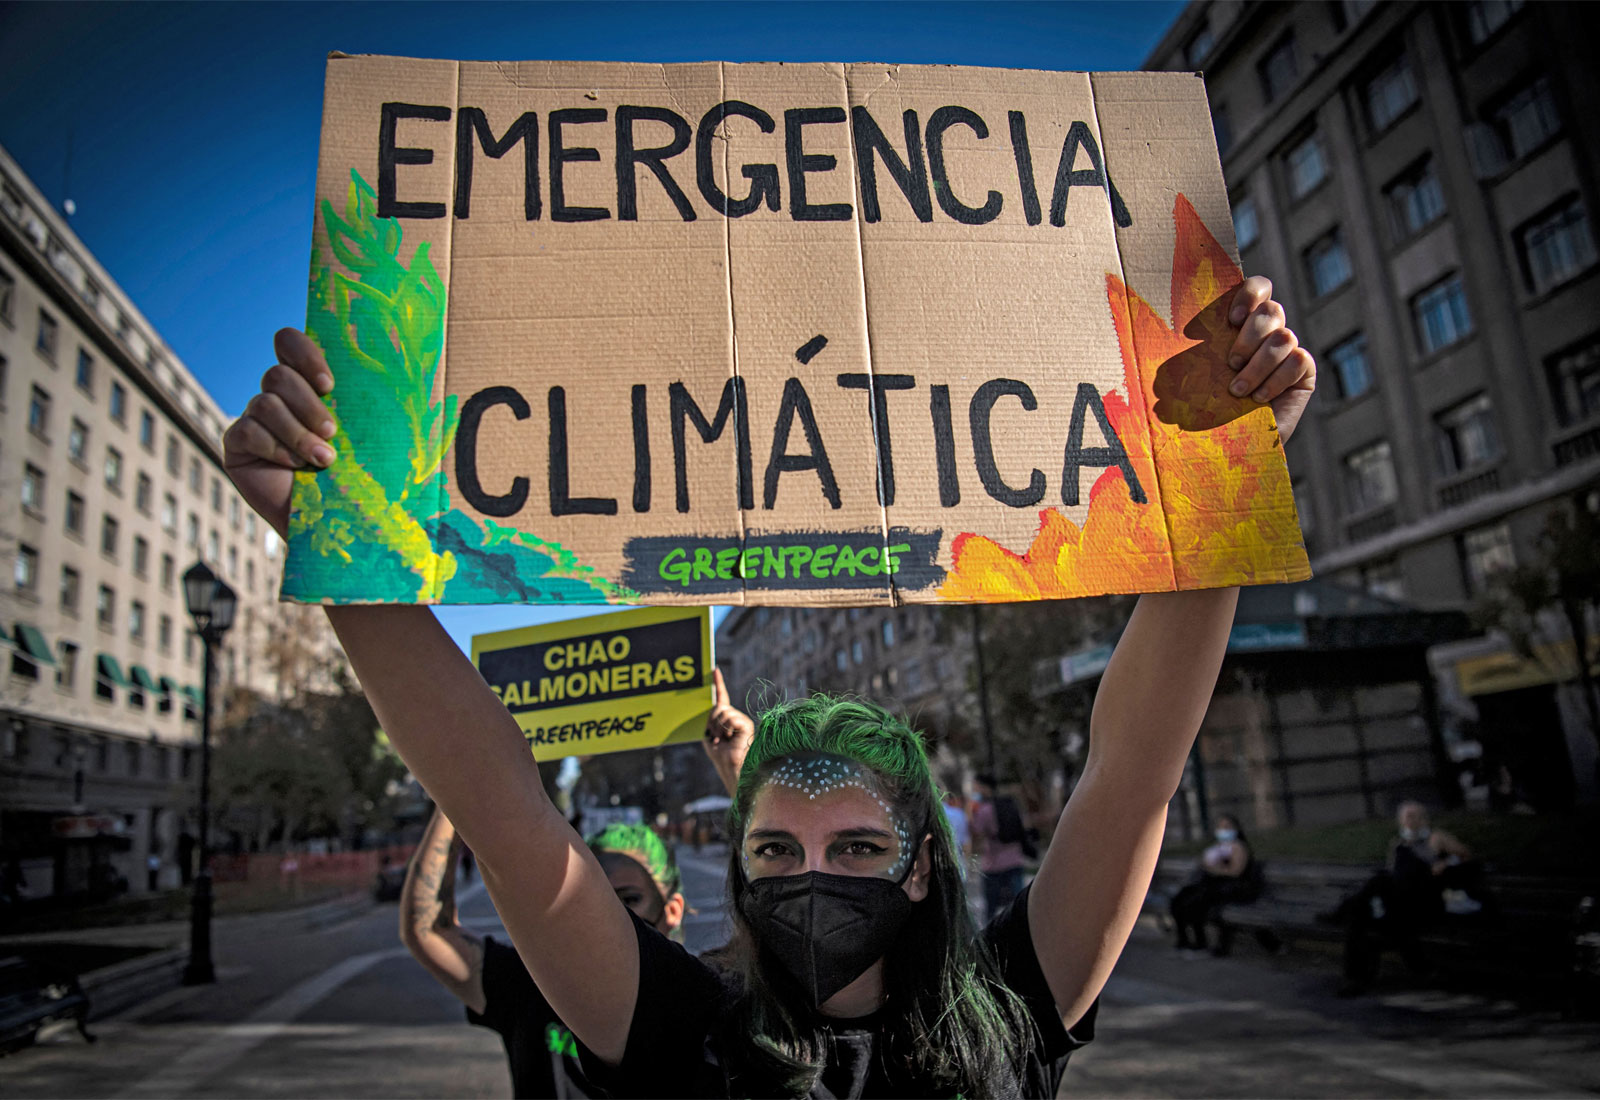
x=1228, y=873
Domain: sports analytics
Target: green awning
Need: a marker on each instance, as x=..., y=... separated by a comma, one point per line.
x=5, y=635
x=33, y=643
x=142, y=677
x=168, y=685
x=110, y=671
x=193, y=694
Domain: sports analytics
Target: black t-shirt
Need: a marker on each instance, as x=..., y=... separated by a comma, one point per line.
x=673, y=1047
x=542, y=1052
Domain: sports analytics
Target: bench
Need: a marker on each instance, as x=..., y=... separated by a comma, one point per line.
x=30, y=999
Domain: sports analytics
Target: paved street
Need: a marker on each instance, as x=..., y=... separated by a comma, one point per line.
x=344, y=1012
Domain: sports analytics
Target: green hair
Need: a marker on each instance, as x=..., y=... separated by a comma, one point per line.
x=953, y=1021
x=644, y=846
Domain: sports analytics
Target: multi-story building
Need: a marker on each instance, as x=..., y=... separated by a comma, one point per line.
x=111, y=486
x=1418, y=180
x=915, y=658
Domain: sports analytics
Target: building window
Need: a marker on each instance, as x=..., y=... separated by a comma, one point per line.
x=174, y=456
x=1486, y=552
x=25, y=571
x=191, y=642
x=840, y=660
x=250, y=584
x=141, y=556
x=119, y=403
x=109, y=529
x=71, y=584
x=1466, y=436
x=1246, y=222
x=216, y=495
x=1441, y=315
x=49, y=334
x=1352, y=370
x=1279, y=69
x=1557, y=246
x=1328, y=264
x=113, y=470
x=250, y=525
x=234, y=513
x=858, y=652
x=66, y=666
x=136, y=621
x=169, y=513
x=1415, y=199
x=39, y=413
x=75, y=513
x=1307, y=166
x=8, y=294
x=106, y=608
x=1390, y=94
x=1484, y=17
x=194, y=475
x=32, y=489
x=147, y=431
x=85, y=377
x=1369, y=479
x=78, y=441
x=213, y=548
x=1526, y=119
x=1221, y=128
x=1304, y=506
x=1574, y=378
x=888, y=632
x=1198, y=48
x=1384, y=579
x=143, y=490
x=168, y=567
x=193, y=532
x=164, y=634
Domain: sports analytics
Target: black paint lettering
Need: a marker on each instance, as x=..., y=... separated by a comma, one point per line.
x=800, y=162
x=629, y=158
x=797, y=402
x=763, y=177
x=562, y=503
x=390, y=157
x=980, y=412
x=1077, y=456
x=685, y=410
x=1024, y=154
x=880, y=385
x=944, y=446
x=560, y=155
x=472, y=129
x=912, y=177
x=467, y=452
x=1078, y=136
x=641, y=451
x=942, y=120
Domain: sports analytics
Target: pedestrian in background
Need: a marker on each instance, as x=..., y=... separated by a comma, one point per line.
x=1002, y=841
x=1228, y=874
x=955, y=812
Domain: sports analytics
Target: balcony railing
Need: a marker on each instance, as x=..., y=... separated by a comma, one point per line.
x=1371, y=526
x=1577, y=448
x=1469, y=487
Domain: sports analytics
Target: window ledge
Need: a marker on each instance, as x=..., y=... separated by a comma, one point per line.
x=1428, y=359
x=1540, y=297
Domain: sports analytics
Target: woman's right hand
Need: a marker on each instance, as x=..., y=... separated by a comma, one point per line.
x=284, y=428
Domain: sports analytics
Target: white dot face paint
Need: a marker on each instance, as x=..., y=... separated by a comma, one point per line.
x=824, y=813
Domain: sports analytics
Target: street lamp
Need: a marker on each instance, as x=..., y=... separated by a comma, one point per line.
x=211, y=604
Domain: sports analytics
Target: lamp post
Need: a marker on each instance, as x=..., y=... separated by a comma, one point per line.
x=211, y=604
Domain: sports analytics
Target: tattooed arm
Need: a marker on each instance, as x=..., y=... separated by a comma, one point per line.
x=428, y=924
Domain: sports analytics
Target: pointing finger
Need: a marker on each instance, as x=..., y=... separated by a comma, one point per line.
x=296, y=349
x=719, y=689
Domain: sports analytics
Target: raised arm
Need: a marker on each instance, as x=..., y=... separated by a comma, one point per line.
x=729, y=732
x=574, y=936
x=1147, y=712
x=429, y=925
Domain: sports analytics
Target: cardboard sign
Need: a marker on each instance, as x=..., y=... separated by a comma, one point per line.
x=780, y=334
x=606, y=683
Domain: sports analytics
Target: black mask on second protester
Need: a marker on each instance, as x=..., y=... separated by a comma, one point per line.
x=826, y=930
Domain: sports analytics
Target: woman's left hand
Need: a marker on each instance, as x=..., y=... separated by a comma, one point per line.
x=1270, y=365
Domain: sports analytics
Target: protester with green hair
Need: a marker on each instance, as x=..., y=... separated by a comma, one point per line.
x=856, y=972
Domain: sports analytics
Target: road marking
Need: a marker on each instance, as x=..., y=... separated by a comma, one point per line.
x=213, y=1055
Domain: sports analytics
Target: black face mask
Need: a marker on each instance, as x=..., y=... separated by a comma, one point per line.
x=825, y=930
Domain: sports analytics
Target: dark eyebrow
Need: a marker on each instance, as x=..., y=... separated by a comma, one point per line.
x=864, y=831
x=768, y=834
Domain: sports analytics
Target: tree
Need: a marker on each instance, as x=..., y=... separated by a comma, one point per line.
x=1559, y=591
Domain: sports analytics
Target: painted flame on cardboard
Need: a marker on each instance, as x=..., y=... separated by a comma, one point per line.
x=1227, y=511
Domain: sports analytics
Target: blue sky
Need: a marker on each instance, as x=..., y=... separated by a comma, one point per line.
x=191, y=130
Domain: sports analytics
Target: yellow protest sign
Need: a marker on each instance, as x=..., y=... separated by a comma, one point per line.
x=606, y=683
